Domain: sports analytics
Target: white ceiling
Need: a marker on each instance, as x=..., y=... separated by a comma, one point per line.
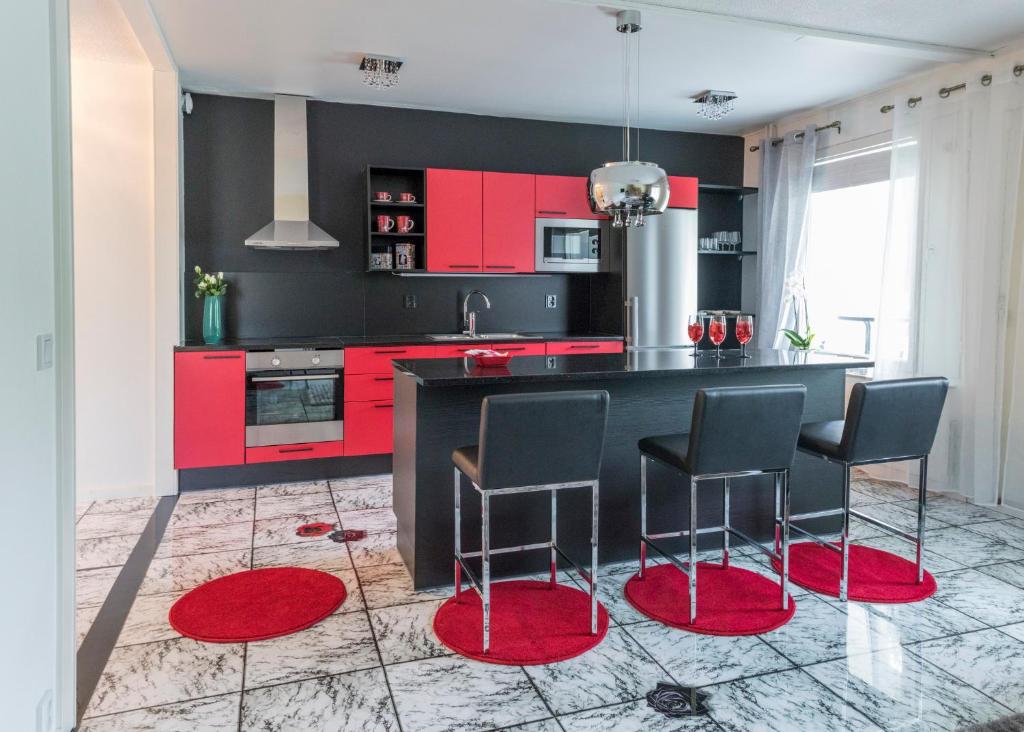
x=556, y=59
x=99, y=30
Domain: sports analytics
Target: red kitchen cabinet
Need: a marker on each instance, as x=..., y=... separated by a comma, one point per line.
x=563, y=197
x=368, y=427
x=682, y=192
x=369, y=387
x=301, y=451
x=458, y=351
x=508, y=222
x=521, y=349
x=454, y=220
x=377, y=360
x=209, y=409
x=562, y=348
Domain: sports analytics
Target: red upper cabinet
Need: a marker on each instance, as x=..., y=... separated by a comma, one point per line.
x=454, y=220
x=209, y=409
x=682, y=192
x=563, y=197
x=508, y=222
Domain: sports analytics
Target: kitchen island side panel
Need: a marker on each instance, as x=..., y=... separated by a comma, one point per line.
x=439, y=419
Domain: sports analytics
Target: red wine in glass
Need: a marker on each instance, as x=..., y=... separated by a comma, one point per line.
x=716, y=332
x=744, y=332
x=695, y=331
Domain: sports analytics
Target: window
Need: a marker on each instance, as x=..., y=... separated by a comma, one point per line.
x=846, y=233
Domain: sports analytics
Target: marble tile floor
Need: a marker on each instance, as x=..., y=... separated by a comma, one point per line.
x=955, y=660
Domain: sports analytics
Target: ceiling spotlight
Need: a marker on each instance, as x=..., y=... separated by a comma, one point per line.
x=714, y=104
x=380, y=72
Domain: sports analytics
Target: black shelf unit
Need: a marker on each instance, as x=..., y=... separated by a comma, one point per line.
x=720, y=275
x=396, y=180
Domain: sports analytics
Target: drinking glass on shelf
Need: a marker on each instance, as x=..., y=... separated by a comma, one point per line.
x=695, y=330
x=744, y=332
x=716, y=332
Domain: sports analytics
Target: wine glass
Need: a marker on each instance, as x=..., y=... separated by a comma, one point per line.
x=695, y=330
x=716, y=332
x=744, y=332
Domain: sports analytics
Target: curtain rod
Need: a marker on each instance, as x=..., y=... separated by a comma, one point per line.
x=944, y=92
x=837, y=125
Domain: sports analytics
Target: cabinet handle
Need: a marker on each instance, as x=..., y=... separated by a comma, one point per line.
x=221, y=358
x=381, y=353
x=500, y=266
x=295, y=449
x=593, y=346
x=564, y=213
x=520, y=348
x=383, y=406
x=462, y=266
x=384, y=378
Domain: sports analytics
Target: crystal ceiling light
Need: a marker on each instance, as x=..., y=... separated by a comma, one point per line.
x=380, y=72
x=714, y=104
x=629, y=189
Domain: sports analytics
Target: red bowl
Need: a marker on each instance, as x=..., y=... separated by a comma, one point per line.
x=492, y=360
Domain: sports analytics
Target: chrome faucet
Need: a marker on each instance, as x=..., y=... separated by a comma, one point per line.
x=469, y=316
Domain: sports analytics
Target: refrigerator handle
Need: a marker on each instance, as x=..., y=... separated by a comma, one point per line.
x=633, y=324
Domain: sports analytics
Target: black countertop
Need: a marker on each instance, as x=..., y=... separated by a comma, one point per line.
x=326, y=342
x=653, y=363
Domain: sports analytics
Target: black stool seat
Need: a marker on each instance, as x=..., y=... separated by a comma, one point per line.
x=669, y=449
x=467, y=459
x=822, y=437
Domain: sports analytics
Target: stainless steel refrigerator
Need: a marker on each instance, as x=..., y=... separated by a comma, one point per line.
x=657, y=268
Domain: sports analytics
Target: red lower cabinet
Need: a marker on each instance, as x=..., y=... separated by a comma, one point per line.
x=368, y=427
x=458, y=351
x=209, y=409
x=522, y=349
x=562, y=348
x=368, y=387
x=309, y=450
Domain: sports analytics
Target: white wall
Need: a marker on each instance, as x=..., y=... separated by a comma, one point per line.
x=112, y=128
x=34, y=539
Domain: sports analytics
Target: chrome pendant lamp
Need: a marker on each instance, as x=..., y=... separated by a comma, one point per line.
x=629, y=190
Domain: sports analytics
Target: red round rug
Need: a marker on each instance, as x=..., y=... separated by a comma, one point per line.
x=257, y=604
x=731, y=601
x=875, y=575
x=531, y=623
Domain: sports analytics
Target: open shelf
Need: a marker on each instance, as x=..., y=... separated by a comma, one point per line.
x=396, y=233
x=735, y=190
x=727, y=254
x=395, y=204
x=396, y=180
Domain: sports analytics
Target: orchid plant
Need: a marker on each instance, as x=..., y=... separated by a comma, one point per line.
x=801, y=337
x=209, y=284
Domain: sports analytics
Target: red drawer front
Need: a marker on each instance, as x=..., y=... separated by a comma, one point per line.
x=682, y=192
x=521, y=349
x=378, y=360
x=559, y=348
x=369, y=387
x=458, y=351
x=302, y=451
x=209, y=409
x=368, y=427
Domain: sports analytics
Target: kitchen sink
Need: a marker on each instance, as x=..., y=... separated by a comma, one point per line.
x=477, y=337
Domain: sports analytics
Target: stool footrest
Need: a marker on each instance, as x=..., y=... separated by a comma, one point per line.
x=740, y=535
x=511, y=549
x=816, y=514
x=912, y=538
x=815, y=538
x=686, y=532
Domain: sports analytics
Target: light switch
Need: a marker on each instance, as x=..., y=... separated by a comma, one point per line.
x=44, y=351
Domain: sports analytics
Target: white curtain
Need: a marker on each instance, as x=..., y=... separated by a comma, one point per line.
x=956, y=166
x=786, y=171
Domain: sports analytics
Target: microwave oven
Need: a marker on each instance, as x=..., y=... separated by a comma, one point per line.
x=569, y=245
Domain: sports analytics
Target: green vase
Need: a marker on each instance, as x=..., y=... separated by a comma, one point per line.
x=213, y=319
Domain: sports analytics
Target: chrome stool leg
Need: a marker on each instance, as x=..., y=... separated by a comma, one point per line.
x=485, y=531
x=643, y=515
x=554, y=537
x=458, y=536
x=778, y=517
x=593, y=559
x=725, y=525
x=845, y=539
x=922, y=500
x=785, y=539
x=693, y=550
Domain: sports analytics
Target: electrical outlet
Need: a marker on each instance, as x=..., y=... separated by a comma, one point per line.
x=409, y=302
x=44, y=712
x=551, y=301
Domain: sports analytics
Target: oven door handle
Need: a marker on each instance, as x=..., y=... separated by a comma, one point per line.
x=316, y=377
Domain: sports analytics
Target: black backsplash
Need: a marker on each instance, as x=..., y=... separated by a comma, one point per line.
x=228, y=161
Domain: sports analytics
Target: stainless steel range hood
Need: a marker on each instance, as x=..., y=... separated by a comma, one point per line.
x=291, y=227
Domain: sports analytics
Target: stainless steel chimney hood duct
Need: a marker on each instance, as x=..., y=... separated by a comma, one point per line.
x=291, y=227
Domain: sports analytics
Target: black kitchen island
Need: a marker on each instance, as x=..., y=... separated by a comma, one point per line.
x=437, y=409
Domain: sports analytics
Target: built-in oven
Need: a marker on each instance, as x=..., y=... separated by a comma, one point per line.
x=294, y=396
x=568, y=245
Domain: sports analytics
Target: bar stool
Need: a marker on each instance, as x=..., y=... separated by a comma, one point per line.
x=531, y=442
x=736, y=431
x=886, y=422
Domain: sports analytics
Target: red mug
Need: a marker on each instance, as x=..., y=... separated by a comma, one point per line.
x=382, y=196
x=385, y=223
x=406, y=198
x=405, y=224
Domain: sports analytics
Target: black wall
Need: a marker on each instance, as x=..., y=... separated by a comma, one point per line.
x=229, y=195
